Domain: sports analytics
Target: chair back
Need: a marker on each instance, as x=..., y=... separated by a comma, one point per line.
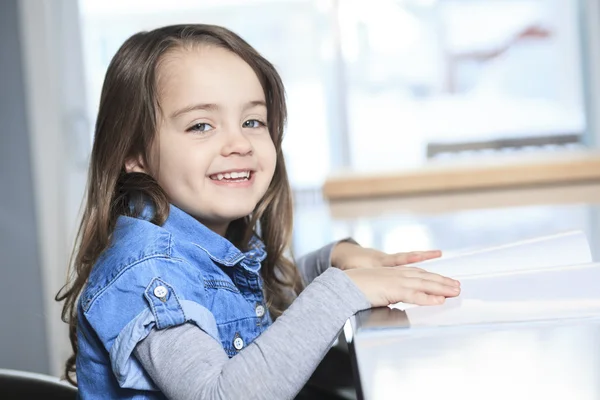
x=21, y=385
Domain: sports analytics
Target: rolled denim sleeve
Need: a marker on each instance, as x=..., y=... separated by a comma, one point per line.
x=142, y=299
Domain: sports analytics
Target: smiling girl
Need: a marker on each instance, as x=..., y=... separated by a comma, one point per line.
x=180, y=286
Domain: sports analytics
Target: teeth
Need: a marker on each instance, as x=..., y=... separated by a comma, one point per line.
x=232, y=175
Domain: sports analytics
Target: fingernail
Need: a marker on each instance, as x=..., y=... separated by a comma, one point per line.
x=456, y=289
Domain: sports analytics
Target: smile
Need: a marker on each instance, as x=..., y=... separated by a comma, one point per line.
x=233, y=176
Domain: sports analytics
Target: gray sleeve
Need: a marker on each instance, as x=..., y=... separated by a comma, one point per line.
x=186, y=363
x=315, y=263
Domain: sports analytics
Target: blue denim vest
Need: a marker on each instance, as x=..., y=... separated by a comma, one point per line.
x=154, y=277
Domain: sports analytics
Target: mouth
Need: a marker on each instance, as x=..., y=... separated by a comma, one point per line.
x=233, y=176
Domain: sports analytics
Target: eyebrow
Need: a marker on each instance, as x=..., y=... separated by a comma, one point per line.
x=215, y=107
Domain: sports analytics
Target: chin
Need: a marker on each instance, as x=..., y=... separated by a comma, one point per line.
x=233, y=214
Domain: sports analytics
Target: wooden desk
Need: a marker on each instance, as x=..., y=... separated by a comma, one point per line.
x=470, y=174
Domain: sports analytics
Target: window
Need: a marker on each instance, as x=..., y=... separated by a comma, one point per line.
x=427, y=77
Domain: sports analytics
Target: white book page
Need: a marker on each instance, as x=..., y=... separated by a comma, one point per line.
x=548, y=293
x=568, y=248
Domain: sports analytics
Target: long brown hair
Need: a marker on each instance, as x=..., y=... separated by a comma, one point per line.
x=126, y=127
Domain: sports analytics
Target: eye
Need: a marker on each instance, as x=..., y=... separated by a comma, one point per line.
x=200, y=127
x=253, y=123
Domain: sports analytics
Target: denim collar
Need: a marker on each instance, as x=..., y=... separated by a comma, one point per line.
x=220, y=250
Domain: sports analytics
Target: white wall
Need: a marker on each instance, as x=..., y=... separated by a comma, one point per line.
x=22, y=330
x=590, y=25
x=55, y=93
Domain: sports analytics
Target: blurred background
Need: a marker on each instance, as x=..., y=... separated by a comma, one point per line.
x=394, y=91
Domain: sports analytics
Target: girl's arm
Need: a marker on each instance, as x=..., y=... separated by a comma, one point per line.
x=315, y=263
x=186, y=363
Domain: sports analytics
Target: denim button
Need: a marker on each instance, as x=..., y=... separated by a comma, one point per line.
x=160, y=291
x=260, y=311
x=238, y=343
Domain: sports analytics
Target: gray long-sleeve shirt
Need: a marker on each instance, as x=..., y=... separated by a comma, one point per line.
x=186, y=363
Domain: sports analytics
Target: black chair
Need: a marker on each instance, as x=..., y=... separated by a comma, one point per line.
x=333, y=378
x=20, y=385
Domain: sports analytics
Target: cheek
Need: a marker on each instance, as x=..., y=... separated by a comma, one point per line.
x=170, y=162
x=269, y=155
x=180, y=164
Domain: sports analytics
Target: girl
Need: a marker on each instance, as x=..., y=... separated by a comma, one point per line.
x=181, y=260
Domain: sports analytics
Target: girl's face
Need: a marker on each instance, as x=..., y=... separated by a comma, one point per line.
x=213, y=154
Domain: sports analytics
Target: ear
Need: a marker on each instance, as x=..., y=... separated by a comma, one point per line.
x=135, y=164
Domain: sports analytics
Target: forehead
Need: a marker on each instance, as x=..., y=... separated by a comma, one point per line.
x=206, y=74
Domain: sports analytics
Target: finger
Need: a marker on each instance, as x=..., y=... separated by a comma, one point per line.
x=414, y=272
x=412, y=257
x=439, y=278
x=426, y=255
x=423, y=299
x=430, y=287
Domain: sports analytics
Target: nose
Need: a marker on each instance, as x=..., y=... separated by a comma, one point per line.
x=236, y=143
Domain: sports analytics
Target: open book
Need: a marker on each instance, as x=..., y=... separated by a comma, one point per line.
x=543, y=278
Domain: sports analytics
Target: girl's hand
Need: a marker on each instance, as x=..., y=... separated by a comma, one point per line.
x=347, y=256
x=384, y=286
